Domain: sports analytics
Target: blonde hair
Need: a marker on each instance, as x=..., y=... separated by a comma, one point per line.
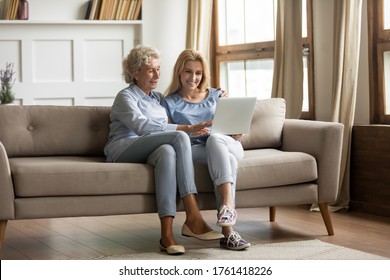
x=186, y=55
x=138, y=57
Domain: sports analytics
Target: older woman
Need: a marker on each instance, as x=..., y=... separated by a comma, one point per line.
x=140, y=133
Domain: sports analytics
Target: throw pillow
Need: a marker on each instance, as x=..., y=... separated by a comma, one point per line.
x=267, y=124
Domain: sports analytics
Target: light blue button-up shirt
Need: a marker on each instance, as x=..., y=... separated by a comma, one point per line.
x=134, y=114
x=181, y=111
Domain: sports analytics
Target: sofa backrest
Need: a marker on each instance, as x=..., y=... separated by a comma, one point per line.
x=83, y=130
x=54, y=130
x=267, y=124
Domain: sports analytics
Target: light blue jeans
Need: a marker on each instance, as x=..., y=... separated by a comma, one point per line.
x=170, y=154
x=220, y=153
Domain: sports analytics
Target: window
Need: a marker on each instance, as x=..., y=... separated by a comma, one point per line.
x=244, y=48
x=379, y=59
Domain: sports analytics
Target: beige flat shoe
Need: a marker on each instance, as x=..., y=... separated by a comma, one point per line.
x=173, y=249
x=211, y=235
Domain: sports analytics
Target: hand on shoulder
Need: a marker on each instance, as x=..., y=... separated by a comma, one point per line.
x=224, y=92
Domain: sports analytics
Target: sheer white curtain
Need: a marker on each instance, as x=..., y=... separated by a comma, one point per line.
x=199, y=26
x=347, y=26
x=288, y=64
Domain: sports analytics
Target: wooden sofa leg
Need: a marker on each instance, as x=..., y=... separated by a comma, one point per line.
x=272, y=213
x=326, y=217
x=3, y=225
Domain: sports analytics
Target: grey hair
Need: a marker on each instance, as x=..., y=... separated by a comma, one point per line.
x=138, y=57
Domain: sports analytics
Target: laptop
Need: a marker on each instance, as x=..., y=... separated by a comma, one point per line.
x=233, y=115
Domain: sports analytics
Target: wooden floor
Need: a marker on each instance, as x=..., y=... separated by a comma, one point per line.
x=92, y=237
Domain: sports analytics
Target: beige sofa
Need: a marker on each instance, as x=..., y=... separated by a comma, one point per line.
x=52, y=165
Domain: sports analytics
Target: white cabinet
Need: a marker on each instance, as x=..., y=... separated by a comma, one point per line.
x=64, y=60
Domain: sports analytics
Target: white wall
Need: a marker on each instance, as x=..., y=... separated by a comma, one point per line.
x=32, y=45
x=164, y=26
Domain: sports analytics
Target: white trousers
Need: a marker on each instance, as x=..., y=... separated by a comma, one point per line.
x=220, y=153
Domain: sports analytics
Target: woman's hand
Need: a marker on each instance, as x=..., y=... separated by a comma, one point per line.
x=237, y=137
x=203, y=131
x=196, y=129
x=224, y=92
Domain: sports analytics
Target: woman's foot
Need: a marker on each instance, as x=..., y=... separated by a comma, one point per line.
x=166, y=241
x=198, y=226
x=172, y=249
x=233, y=241
x=194, y=225
x=208, y=235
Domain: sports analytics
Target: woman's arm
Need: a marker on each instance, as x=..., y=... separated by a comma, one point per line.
x=127, y=110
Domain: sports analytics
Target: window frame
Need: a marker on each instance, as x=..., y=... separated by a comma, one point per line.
x=260, y=50
x=378, y=43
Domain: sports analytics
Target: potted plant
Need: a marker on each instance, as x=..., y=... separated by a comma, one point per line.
x=7, y=82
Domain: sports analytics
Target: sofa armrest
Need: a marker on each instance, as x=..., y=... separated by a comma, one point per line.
x=322, y=140
x=7, y=197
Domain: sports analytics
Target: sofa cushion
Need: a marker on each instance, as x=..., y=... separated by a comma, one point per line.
x=267, y=124
x=78, y=176
x=265, y=168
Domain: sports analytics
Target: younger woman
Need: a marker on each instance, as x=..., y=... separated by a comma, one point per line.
x=190, y=101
